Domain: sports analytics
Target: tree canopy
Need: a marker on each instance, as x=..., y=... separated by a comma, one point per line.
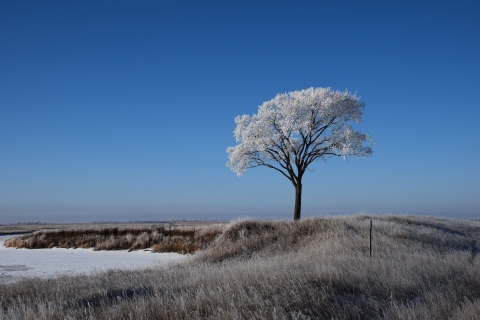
x=294, y=129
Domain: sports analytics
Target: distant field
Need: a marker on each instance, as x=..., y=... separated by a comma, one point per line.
x=27, y=228
x=183, y=238
x=315, y=268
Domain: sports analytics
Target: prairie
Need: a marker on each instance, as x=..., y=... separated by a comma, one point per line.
x=315, y=268
x=159, y=237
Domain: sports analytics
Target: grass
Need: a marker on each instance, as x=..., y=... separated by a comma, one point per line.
x=316, y=268
x=160, y=238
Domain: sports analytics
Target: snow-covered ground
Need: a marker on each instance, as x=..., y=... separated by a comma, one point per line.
x=17, y=263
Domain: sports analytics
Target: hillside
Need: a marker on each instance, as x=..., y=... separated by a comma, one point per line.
x=316, y=268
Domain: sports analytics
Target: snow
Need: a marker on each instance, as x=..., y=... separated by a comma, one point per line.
x=297, y=128
x=18, y=263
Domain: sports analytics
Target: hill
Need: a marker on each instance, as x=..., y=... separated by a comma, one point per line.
x=316, y=268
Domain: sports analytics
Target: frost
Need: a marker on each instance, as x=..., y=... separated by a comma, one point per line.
x=297, y=128
x=45, y=263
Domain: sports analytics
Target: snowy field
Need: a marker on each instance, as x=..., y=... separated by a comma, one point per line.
x=18, y=263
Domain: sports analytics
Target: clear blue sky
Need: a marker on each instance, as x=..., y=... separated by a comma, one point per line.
x=123, y=110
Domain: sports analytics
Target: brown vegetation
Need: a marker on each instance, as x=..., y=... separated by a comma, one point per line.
x=318, y=268
x=161, y=238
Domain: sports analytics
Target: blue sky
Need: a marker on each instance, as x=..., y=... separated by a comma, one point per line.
x=123, y=110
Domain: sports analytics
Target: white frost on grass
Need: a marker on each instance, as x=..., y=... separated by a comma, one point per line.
x=18, y=263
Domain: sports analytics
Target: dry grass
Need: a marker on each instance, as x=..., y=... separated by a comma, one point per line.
x=318, y=268
x=161, y=238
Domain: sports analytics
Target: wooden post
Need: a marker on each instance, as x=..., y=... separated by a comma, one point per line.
x=370, y=238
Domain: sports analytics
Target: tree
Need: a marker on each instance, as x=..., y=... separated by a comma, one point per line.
x=294, y=129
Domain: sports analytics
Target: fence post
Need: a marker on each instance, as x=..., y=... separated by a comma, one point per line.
x=370, y=238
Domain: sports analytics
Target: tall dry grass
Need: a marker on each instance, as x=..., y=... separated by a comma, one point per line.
x=317, y=268
x=161, y=238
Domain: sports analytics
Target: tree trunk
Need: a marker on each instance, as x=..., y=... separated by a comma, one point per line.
x=298, y=201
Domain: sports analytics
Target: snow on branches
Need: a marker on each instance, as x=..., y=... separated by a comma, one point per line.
x=294, y=129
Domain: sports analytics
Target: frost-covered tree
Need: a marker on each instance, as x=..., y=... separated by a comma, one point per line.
x=297, y=128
